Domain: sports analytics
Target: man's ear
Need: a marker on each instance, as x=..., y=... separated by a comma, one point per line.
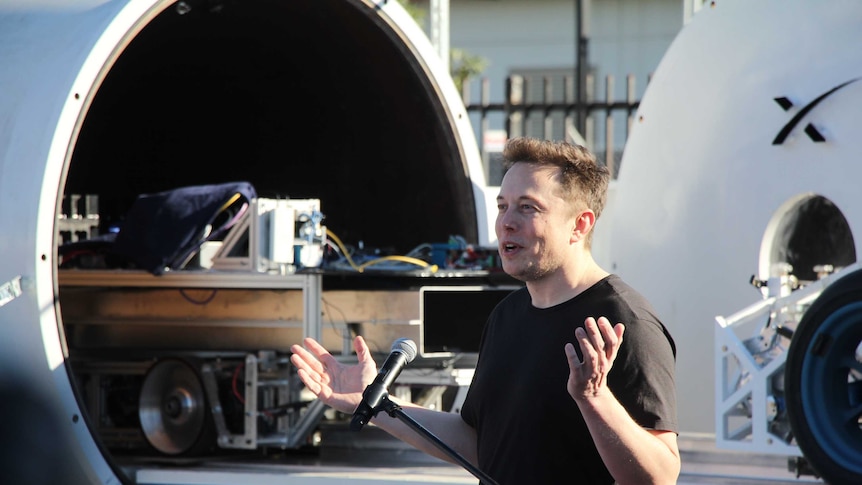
x=584, y=223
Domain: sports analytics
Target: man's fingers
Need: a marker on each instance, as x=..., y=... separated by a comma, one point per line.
x=585, y=341
x=326, y=360
x=301, y=358
x=313, y=362
x=312, y=382
x=361, y=348
x=612, y=336
x=600, y=337
x=314, y=347
x=595, y=332
x=609, y=337
x=312, y=371
x=309, y=382
x=619, y=329
x=572, y=356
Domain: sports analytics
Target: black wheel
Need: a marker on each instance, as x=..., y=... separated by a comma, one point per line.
x=823, y=382
x=173, y=410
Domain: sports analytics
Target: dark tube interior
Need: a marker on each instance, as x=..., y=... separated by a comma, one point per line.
x=303, y=98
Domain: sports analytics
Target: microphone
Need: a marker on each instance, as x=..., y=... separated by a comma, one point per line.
x=403, y=352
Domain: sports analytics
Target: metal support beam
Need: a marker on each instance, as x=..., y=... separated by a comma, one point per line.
x=440, y=29
x=582, y=25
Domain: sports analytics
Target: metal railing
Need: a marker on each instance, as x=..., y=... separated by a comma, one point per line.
x=552, y=112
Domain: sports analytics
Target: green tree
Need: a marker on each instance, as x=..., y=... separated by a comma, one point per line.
x=463, y=66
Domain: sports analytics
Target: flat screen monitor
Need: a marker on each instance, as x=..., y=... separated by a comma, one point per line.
x=452, y=317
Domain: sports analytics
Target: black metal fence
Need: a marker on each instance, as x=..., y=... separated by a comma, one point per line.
x=546, y=107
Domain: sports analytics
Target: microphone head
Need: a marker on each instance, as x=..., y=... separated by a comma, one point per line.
x=406, y=347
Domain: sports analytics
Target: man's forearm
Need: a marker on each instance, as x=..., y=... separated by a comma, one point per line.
x=632, y=454
x=448, y=427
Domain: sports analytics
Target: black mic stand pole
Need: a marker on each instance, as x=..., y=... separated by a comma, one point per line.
x=395, y=411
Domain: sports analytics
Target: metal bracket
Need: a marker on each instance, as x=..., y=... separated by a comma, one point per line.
x=10, y=290
x=247, y=440
x=297, y=433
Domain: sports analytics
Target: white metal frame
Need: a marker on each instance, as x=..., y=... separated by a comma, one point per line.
x=749, y=365
x=270, y=225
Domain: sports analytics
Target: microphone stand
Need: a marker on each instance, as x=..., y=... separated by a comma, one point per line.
x=395, y=411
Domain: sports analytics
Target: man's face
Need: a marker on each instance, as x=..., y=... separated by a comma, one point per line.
x=534, y=223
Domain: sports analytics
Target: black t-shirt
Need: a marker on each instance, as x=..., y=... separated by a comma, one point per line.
x=529, y=429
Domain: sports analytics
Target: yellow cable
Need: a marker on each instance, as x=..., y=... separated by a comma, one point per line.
x=405, y=259
x=361, y=268
x=230, y=201
x=343, y=249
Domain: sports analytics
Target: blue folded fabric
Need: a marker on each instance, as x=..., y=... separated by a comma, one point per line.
x=163, y=230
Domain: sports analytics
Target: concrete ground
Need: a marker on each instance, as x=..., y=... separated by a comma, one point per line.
x=380, y=460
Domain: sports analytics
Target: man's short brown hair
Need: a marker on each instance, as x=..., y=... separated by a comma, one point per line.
x=583, y=181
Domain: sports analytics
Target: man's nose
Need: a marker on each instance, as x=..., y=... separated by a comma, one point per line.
x=506, y=221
